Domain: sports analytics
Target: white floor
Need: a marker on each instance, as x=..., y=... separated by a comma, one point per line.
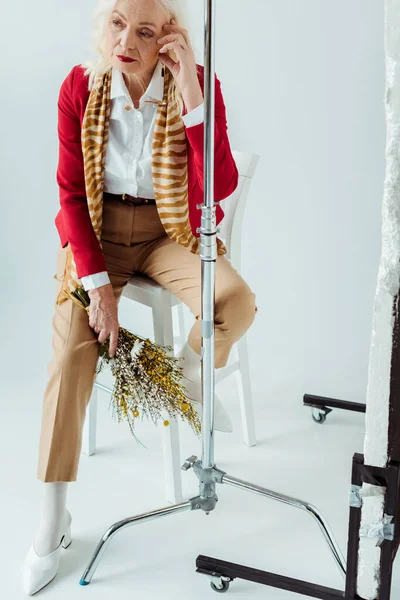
x=294, y=456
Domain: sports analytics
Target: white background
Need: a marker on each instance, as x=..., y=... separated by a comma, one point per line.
x=303, y=83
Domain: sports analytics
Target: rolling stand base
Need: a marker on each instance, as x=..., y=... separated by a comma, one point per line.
x=222, y=573
x=320, y=410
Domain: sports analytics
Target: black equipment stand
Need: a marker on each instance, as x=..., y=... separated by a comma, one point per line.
x=223, y=572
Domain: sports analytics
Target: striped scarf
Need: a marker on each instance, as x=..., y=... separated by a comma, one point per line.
x=169, y=170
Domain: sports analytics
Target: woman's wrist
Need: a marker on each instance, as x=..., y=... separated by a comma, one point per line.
x=99, y=290
x=192, y=96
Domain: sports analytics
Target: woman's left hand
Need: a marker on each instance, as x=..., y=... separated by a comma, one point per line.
x=183, y=71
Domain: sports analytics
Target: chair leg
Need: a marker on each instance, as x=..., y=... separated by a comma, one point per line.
x=163, y=335
x=245, y=394
x=90, y=425
x=172, y=462
x=181, y=323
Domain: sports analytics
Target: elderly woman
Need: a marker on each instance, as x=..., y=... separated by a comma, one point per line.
x=130, y=175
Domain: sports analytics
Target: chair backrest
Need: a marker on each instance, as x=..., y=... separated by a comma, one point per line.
x=230, y=228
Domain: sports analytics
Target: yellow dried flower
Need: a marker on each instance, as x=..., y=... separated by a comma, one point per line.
x=147, y=376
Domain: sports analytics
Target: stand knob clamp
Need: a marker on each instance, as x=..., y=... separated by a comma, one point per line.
x=208, y=498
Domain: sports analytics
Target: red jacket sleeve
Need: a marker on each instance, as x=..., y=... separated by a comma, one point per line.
x=226, y=176
x=85, y=247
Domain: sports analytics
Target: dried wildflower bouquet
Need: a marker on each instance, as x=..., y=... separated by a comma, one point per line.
x=147, y=377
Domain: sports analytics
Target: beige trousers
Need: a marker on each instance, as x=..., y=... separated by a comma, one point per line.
x=134, y=241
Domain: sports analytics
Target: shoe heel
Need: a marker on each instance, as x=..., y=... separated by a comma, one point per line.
x=67, y=539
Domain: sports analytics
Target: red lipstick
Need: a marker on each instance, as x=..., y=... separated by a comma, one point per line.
x=125, y=58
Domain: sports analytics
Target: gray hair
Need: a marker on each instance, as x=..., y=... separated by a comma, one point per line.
x=101, y=64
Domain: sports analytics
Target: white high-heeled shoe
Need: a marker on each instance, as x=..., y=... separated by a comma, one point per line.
x=222, y=420
x=40, y=570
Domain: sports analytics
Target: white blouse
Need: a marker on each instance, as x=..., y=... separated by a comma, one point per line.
x=128, y=167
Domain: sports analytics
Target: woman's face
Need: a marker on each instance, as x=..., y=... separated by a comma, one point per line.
x=132, y=31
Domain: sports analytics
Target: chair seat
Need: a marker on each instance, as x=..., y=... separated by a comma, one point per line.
x=145, y=290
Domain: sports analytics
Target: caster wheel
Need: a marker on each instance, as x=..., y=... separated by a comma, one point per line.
x=223, y=589
x=319, y=417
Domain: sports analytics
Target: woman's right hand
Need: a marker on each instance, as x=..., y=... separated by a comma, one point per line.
x=103, y=315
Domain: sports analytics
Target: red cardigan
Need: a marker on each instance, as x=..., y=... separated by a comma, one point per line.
x=73, y=221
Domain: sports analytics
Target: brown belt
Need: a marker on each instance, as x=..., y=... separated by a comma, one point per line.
x=131, y=200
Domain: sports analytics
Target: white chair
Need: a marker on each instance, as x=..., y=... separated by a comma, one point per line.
x=149, y=293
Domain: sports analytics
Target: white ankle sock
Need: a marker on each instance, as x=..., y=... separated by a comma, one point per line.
x=191, y=365
x=191, y=371
x=54, y=517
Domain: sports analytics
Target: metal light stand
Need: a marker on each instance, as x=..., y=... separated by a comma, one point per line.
x=220, y=572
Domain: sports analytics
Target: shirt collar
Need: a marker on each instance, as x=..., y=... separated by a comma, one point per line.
x=154, y=91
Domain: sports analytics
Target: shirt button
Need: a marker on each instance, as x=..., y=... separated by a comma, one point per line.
x=127, y=107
